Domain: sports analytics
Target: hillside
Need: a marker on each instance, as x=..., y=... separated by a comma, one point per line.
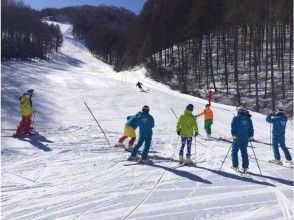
x=69, y=171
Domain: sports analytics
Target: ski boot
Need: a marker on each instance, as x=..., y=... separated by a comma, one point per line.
x=181, y=159
x=189, y=161
x=119, y=145
x=145, y=161
x=135, y=158
x=289, y=162
x=129, y=149
x=244, y=170
x=235, y=168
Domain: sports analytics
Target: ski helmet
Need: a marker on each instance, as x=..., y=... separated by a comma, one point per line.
x=145, y=108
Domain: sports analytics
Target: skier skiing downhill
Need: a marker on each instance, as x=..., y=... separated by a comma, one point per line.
x=186, y=128
x=26, y=111
x=129, y=131
x=242, y=132
x=146, y=123
x=140, y=85
x=208, y=119
x=279, y=121
x=209, y=97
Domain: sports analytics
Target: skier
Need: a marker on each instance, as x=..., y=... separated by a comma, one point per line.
x=208, y=119
x=279, y=121
x=140, y=86
x=129, y=131
x=242, y=132
x=209, y=97
x=26, y=111
x=145, y=123
x=186, y=128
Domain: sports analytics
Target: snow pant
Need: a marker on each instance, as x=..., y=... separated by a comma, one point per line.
x=280, y=140
x=185, y=140
x=207, y=126
x=131, y=141
x=140, y=142
x=242, y=146
x=24, y=126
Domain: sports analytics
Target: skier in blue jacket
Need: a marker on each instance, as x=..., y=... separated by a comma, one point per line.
x=145, y=123
x=242, y=132
x=279, y=121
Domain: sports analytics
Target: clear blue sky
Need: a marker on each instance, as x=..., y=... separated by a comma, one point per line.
x=132, y=5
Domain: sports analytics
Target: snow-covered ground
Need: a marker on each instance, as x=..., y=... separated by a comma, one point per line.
x=70, y=172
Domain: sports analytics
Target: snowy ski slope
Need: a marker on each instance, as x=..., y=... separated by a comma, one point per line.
x=70, y=172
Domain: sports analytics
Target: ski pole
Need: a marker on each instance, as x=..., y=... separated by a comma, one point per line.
x=270, y=136
x=195, y=151
x=225, y=158
x=174, y=112
x=97, y=123
x=255, y=158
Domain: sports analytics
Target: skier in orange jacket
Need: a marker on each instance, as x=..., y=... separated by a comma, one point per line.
x=208, y=119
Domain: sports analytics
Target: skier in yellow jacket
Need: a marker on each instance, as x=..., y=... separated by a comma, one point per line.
x=26, y=111
x=186, y=128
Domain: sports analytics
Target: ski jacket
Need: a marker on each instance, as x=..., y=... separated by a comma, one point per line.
x=242, y=127
x=186, y=124
x=145, y=123
x=279, y=123
x=133, y=121
x=25, y=104
x=208, y=114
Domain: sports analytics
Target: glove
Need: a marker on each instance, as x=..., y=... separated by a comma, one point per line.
x=234, y=138
x=196, y=133
x=179, y=132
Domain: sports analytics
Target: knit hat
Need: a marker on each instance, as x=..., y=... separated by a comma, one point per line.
x=207, y=105
x=190, y=107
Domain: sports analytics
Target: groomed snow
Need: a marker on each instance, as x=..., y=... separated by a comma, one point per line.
x=70, y=172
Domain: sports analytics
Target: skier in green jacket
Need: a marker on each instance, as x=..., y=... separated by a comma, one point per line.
x=186, y=128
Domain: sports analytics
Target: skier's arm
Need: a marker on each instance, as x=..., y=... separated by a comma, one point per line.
x=195, y=127
x=152, y=122
x=179, y=124
x=202, y=113
x=233, y=127
x=269, y=118
x=251, y=129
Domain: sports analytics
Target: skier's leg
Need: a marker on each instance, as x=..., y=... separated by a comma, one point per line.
x=284, y=148
x=21, y=127
x=132, y=141
x=189, y=144
x=146, y=148
x=234, y=154
x=121, y=140
x=276, y=148
x=244, y=155
x=27, y=124
x=137, y=146
x=183, y=142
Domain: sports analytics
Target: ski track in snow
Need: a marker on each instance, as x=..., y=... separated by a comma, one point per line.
x=69, y=171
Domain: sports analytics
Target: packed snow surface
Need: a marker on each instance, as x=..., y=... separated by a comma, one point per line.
x=69, y=171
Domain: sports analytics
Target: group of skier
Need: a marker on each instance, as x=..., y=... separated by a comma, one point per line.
x=241, y=130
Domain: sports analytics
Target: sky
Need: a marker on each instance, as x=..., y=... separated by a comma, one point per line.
x=132, y=5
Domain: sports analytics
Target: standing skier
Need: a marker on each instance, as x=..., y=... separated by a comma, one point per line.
x=145, y=123
x=129, y=131
x=186, y=128
x=242, y=132
x=26, y=111
x=279, y=121
x=208, y=119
